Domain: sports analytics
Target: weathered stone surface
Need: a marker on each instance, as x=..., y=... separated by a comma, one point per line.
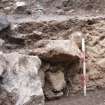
x=21, y=7
x=1, y=42
x=20, y=83
x=77, y=38
x=95, y=74
x=57, y=50
x=101, y=63
x=57, y=80
x=2, y=64
x=42, y=77
x=3, y=22
x=102, y=43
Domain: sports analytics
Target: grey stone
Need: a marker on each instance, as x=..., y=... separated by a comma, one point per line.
x=77, y=38
x=57, y=80
x=3, y=22
x=21, y=84
x=1, y=42
x=20, y=7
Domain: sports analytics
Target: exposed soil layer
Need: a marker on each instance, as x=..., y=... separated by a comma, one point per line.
x=93, y=30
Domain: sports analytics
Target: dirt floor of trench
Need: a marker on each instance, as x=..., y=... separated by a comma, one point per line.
x=92, y=98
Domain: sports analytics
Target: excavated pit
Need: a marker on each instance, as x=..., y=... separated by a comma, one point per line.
x=32, y=33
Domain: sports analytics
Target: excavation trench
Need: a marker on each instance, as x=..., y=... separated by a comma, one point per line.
x=41, y=34
x=51, y=41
